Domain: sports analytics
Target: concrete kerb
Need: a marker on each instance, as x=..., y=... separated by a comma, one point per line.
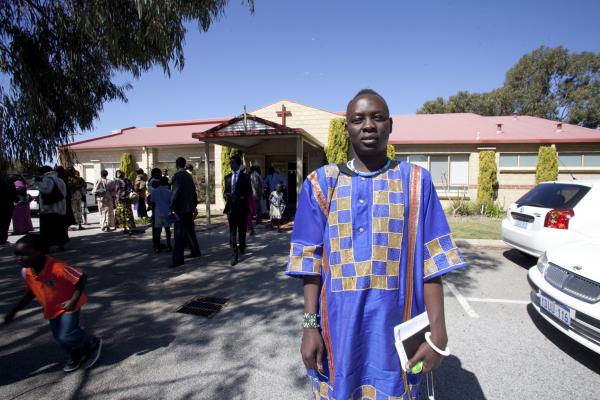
x=485, y=243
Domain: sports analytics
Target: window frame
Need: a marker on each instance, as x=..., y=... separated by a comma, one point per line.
x=448, y=190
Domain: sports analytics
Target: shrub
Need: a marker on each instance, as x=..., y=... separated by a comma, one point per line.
x=547, y=165
x=487, y=179
x=462, y=207
x=491, y=209
x=128, y=166
x=338, y=143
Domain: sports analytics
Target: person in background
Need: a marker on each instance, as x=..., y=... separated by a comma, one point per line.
x=124, y=214
x=69, y=218
x=184, y=201
x=257, y=190
x=102, y=192
x=75, y=184
x=272, y=179
x=190, y=169
x=53, y=208
x=8, y=197
x=277, y=207
x=161, y=202
x=60, y=290
x=153, y=182
x=237, y=191
x=140, y=188
x=22, y=214
x=165, y=173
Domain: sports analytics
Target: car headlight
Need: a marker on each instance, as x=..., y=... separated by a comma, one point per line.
x=542, y=263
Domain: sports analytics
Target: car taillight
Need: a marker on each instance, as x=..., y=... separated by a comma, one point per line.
x=558, y=219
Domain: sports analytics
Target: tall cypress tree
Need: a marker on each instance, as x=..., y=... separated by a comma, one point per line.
x=128, y=166
x=488, y=175
x=546, y=168
x=338, y=143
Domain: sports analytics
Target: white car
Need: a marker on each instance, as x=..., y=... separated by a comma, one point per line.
x=34, y=206
x=566, y=291
x=553, y=214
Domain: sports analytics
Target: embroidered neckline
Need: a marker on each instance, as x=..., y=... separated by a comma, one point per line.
x=351, y=167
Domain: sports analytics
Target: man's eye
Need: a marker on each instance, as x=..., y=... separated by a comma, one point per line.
x=379, y=118
x=357, y=120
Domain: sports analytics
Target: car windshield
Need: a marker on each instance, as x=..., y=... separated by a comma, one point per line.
x=554, y=195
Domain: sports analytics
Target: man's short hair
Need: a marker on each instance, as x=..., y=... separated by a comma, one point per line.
x=155, y=172
x=180, y=162
x=104, y=173
x=45, y=169
x=33, y=240
x=364, y=92
x=236, y=158
x=139, y=171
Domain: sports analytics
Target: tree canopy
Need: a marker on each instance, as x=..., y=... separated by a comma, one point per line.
x=58, y=60
x=551, y=83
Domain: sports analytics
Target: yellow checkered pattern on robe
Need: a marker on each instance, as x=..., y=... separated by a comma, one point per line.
x=382, y=271
x=441, y=253
x=305, y=259
x=365, y=392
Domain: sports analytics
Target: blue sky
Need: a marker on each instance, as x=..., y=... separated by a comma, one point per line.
x=322, y=52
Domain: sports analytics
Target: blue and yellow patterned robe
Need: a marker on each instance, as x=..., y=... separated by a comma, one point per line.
x=374, y=241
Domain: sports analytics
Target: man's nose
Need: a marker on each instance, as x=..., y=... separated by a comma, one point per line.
x=369, y=125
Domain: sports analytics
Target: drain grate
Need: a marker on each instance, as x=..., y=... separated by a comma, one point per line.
x=203, y=306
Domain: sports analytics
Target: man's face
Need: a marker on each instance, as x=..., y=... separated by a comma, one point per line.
x=26, y=255
x=234, y=165
x=368, y=124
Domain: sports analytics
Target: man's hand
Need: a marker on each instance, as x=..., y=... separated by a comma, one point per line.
x=8, y=318
x=195, y=214
x=431, y=359
x=312, y=349
x=69, y=305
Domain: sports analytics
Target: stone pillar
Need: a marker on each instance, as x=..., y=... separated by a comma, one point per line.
x=219, y=202
x=299, y=165
x=207, y=176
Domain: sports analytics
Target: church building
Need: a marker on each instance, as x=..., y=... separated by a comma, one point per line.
x=291, y=137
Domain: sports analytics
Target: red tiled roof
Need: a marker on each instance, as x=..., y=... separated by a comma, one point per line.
x=407, y=129
x=164, y=134
x=476, y=129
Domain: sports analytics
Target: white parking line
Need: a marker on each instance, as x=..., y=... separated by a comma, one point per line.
x=462, y=301
x=507, y=301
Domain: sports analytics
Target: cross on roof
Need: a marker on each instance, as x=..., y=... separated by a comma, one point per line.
x=283, y=113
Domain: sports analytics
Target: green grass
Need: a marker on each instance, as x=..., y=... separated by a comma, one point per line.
x=475, y=227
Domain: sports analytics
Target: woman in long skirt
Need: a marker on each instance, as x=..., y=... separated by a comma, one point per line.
x=22, y=214
x=123, y=213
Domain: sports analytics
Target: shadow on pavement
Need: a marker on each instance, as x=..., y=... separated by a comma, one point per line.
x=570, y=347
x=132, y=299
x=521, y=259
x=452, y=382
x=465, y=279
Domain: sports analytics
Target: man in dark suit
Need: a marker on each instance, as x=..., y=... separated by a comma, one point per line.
x=183, y=203
x=238, y=190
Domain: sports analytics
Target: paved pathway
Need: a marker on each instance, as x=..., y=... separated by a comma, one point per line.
x=501, y=349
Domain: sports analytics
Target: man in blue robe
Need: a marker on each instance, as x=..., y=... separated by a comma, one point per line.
x=371, y=242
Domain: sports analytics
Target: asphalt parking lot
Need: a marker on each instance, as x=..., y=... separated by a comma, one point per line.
x=501, y=349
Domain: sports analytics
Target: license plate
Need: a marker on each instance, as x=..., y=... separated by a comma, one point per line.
x=561, y=312
x=521, y=224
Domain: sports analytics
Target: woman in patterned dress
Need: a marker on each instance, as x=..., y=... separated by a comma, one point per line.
x=123, y=213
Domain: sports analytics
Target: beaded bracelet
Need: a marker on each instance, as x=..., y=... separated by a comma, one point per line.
x=311, y=321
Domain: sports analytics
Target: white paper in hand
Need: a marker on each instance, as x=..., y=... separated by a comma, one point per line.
x=409, y=335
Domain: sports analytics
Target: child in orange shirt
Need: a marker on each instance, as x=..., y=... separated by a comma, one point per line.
x=59, y=289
